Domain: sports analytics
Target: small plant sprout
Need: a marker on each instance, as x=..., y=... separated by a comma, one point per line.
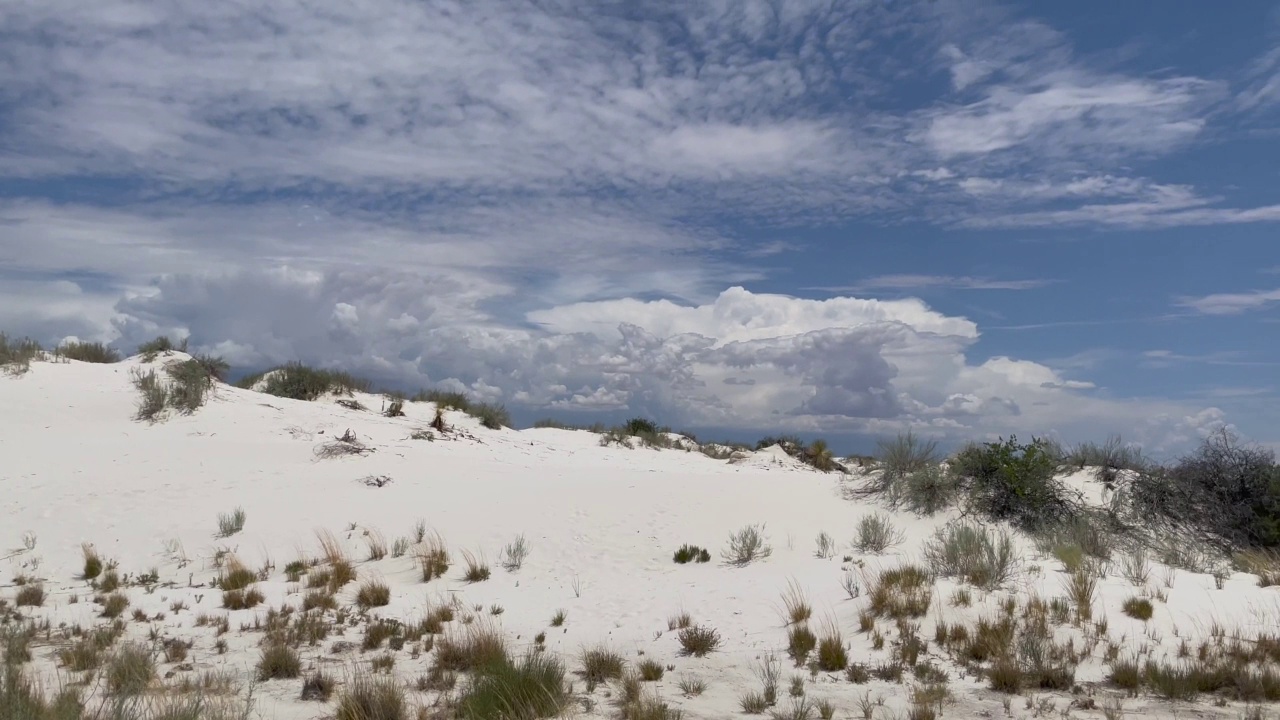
x=514, y=554
x=231, y=523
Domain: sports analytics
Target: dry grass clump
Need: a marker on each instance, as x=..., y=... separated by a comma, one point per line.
x=902, y=592
x=476, y=646
x=746, y=546
x=235, y=576
x=1135, y=567
x=342, y=446
x=92, y=562
x=373, y=593
x=318, y=686
x=796, y=607
x=650, y=670
x=114, y=605
x=876, y=533
x=1138, y=608
x=279, y=661
x=477, y=569
x=1265, y=563
x=976, y=555
x=800, y=642
x=433, y=557
x=601, y=664
x=1082, y=587
x=373, y=698
x=698, y=640
x=30, y=595
x=129, y=671
x=832, y=656
x=242, y=599
x=378, y=631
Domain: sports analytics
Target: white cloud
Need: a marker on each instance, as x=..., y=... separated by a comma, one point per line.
x=1232, y=303
x=922, y=282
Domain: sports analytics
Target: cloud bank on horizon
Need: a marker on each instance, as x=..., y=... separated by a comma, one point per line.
x=845, y=218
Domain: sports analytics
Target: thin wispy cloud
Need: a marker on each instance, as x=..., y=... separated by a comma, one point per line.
x=1231, y=303
x=934, y=282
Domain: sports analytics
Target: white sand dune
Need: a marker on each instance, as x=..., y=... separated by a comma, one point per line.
x=601, y=524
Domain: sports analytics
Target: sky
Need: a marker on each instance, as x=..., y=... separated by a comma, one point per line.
x=964, y=218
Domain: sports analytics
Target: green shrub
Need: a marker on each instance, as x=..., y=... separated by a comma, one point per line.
x=980, y=557
x=190, y=383
x=443, y=399
x=876, y=534
x=691, y=553
x=150, y=349
x=532, y=688
x=1138, y=608
x=154, y=396
x=494, y=417
x=1013, y=482
x=746, y=546
x=832, y=656
x=800, y=642
x=300, y=382
x=88, y=352
x=641, y=426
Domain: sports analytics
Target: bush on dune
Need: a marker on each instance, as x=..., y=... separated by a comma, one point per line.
x=300, y=382
x=16, y=355
x=88, y=352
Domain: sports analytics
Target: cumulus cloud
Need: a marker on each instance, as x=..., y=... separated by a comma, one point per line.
x=546, y=204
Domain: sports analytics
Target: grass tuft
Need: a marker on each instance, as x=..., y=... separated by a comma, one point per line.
x=279, y=661
x=477, y=570
x=978, y=556
x=531, y=688
x=746, y=546
x=89, y=352
x=231, y=523
x=1138, y=608
x=373, y=593
x=876, y=534
x=129, y=671
x=698, y=640
x=373, y=698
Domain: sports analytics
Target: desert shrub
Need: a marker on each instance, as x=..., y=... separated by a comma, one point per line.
x=978, y=556
x=30, y=595
x=89, y=352
x=640, y=426
x=753, y=703
x=746, y=546
x=902, y=592
x=150, y=349
x=16, y=355
x=532, y=688
x=444, y=399
x=904, y=455
x=698, y=640
x=789, y=443
x=494, y=417
x=819, y=456
x=1014, y=482
x=1107, y=459
x=190, y=382
x=235, y=576
x=231, y=523
x=279, y=661
x=153, y=395
x=373, y=593
x=373, y=698
x=1224, y=489
x=1137, y=608
x=129, y=671
x=600, y=664
x=300, y=382
x=691, y=553
x=876, y=534
x=927, y=490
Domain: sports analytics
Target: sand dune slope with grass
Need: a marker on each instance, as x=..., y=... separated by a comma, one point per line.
x=260, y=556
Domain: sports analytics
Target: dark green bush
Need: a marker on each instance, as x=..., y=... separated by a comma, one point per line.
x=94, y=352
x=1014, y=482
x=533, y=688
x=300, y=382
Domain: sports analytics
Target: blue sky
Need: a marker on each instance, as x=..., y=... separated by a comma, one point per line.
x=961, y=217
